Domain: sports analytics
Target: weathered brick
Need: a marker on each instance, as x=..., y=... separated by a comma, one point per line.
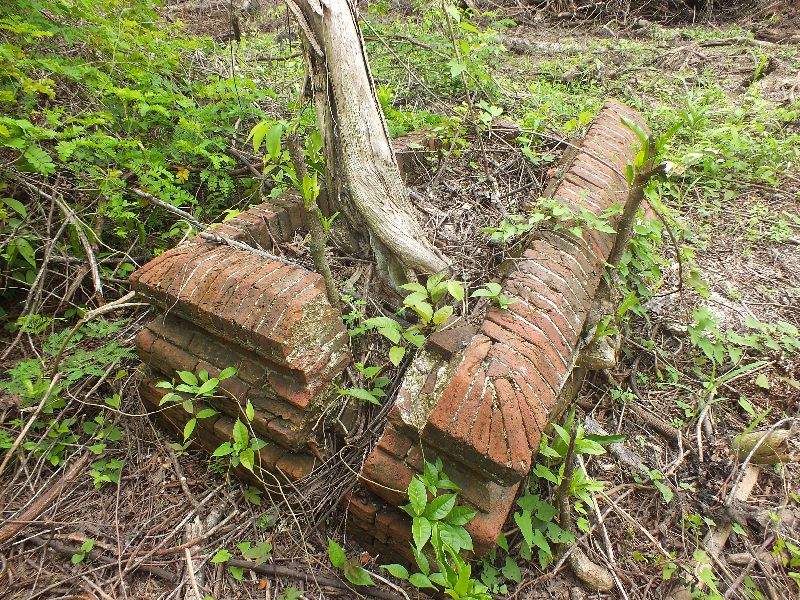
x=454, y=394
x=282, y=432
x=167, y=356
x=144, y=341
x=527, y=338
x=452, y=340
x=394, y=442
x=485, y=528
x=361, y=506
x=387, y=476
x=392, y=525
x=295, y=466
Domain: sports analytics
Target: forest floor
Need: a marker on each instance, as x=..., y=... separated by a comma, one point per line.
x=711, y=343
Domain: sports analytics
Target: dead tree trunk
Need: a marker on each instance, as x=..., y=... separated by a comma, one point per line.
x=362, y=177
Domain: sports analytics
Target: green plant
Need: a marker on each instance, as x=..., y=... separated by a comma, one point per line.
x=493, y=291
x=258, y=553
x=196, y=387
x=84, y=550
x=437, y=522
x=376, y=391
x=353, y=572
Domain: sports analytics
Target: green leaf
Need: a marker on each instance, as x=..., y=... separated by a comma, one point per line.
x=511, y=570
x=415, y=287
x=440, y=507
x=227, y=373
x=396, y=355
x=357, y=575
x=361, y=394
x=336, y=554
x=456, y=289
x=525, y=524
x=236, y=572
x=453, y=12
x=441, y=315
x=247, y=458
x=417, y=495
x=257, y=134
x=189, y=428
x=456, y=68
x=762, y=381
x=274, y=140
x=221, y=556
x=420, y=531
x=26, y=250
x=208, y=386
x=396, y=570
x=457, y=538
x=187, y=377
x=16, y=206
x=249, y=411
x=240, y=434
x=418, y=580
x=223, y=450
x=206, y=413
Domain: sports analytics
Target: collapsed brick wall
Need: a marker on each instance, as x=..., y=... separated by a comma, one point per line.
x=219, y=307
x=479, y=398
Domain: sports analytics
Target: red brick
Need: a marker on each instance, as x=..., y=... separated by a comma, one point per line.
x=455, y=392
x=387, y=477
x=262, y=401
x=452, y=340
x=530, y=324
x=574, y=193
x=173, y=329
x=481, y=426
x=485, y=528
x=295, y=466
x=527, y=339
x=282, y=432
x=394, y=442
x=167, y=357
x=144, y=341
x=523, y=286
x=270, y=454
x=514, y=437
x=361, y=507
x=392, y=525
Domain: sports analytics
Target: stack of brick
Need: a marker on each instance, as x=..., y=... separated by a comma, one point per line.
x=225, y=307
x=480, y=399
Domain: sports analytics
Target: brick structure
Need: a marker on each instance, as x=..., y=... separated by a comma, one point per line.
x=478, y=398
x=224, y=307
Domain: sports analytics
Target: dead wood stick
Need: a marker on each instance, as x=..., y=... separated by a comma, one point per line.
x=203, y=233
x=12, y=528
x=66, y=550
x=717, y=537
x=285, y=571
x=70, y=216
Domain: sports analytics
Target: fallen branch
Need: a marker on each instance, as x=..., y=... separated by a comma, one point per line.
x=94, y=555
x=285, y=571
x=202, y=230
x=13, y=526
